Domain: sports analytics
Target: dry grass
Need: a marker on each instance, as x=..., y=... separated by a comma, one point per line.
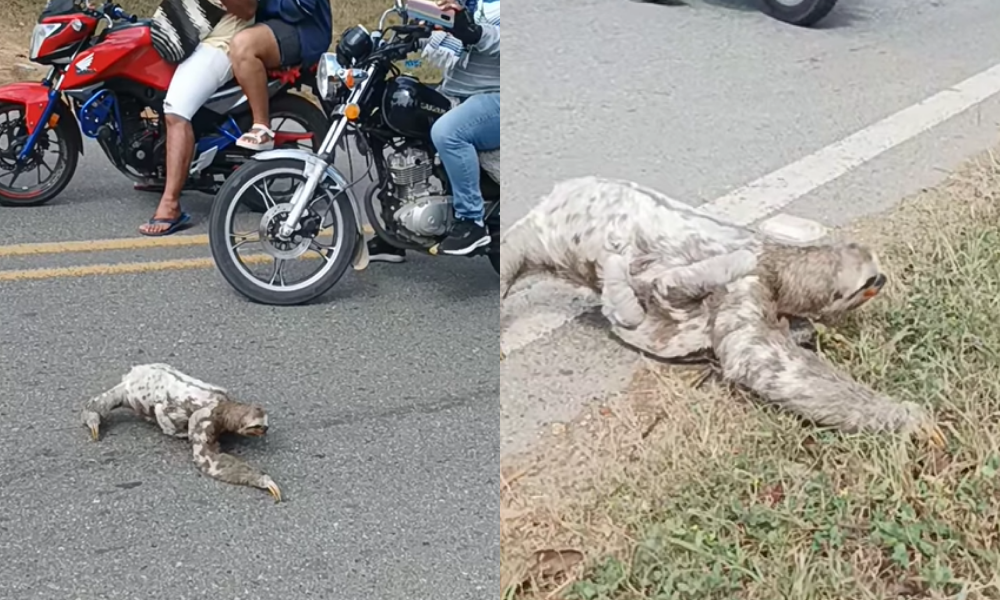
x=21, y=16
x=672, y=493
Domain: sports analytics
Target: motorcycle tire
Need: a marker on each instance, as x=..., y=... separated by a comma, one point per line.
x=69, y=148
x=804, y=13
x=245, y=283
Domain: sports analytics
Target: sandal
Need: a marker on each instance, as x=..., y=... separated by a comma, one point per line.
x=254, y=139
x=175, y=225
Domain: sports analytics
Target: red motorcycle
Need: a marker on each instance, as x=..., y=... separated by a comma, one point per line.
x=109, y=86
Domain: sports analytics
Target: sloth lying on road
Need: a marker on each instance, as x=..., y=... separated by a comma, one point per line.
x=185, y=407
x=675, y=282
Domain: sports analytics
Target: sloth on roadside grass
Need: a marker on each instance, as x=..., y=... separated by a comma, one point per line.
x=675, y=283
x=187, y=408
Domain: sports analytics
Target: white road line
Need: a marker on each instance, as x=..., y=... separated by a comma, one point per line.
x=774, y=191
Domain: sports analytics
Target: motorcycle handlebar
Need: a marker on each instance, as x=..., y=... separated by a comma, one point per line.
x=116, y=12
x=424, y=30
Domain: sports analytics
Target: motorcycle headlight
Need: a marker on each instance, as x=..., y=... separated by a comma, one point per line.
x=39, y=35
x=327, y=81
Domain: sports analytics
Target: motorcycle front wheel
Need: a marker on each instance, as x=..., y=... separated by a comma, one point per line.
x=48, y=170
x=243, y=234
x=804, y=13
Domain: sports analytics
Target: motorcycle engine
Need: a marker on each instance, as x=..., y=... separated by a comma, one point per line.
x=144, y=147
x=423, y=212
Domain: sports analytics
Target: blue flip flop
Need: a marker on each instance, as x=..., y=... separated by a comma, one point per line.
x=175, y=225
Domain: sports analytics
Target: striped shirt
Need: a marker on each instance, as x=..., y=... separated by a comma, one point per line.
x=481, y=73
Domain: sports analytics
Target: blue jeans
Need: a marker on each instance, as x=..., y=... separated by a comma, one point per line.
x=473, y=125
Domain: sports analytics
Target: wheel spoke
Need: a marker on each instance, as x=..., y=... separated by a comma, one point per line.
x=13, y=133
x=329, y=210
x=276, y=273
x=247, y=239
x=321, y=250
x=266, y=195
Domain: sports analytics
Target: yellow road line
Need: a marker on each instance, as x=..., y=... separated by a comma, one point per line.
x=138, y=243
x=113, y=244
x=110, y=245
x=121, y=268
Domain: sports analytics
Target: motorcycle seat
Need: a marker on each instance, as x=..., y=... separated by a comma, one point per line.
x=289, y=74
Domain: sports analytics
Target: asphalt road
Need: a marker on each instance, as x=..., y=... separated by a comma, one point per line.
x=698, y=101
x=382, y=403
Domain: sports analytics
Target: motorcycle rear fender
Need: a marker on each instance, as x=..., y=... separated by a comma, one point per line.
x=332, y=173
x=34, y=97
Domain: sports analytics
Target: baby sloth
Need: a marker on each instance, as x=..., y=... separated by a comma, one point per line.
x=751, y=339
x=187, y=408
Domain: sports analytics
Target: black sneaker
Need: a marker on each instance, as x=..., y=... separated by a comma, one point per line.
x=379, y=251
x=465, y=237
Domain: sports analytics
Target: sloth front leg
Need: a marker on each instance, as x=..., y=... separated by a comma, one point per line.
x=690, y=282
x=99, y=407
x=619, y=303
x=203, y=433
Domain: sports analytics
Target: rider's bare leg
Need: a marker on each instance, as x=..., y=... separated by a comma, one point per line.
x=194, y=82
x=180, y=149
x=266, y=45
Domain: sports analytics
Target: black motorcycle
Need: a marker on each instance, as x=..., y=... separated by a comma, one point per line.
x=804, y=13
x=317, y=214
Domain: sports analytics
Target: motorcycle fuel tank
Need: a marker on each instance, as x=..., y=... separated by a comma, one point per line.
x=410, y=108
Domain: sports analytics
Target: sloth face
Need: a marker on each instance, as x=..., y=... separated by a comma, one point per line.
x=241, y=419
x=860, y=279
x=254, y=423
x=825, y=281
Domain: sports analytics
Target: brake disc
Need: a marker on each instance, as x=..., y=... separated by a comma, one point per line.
x=271, y=223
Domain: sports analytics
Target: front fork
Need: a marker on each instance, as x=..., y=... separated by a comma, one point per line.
x=307, y=189
x=51, y=81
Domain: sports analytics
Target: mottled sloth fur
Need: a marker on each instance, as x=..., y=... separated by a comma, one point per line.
x=754, y=353
x=674, y=281
x=583, y=223
x=187, y=408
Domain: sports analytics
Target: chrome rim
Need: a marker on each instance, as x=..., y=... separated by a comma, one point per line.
x=323, y=216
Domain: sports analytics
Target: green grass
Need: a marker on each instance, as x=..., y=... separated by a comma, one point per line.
x=728, y=500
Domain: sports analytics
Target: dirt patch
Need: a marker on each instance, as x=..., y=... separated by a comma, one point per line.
x=672, y=492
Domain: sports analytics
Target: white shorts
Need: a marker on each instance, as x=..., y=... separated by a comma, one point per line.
x=196, y=79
